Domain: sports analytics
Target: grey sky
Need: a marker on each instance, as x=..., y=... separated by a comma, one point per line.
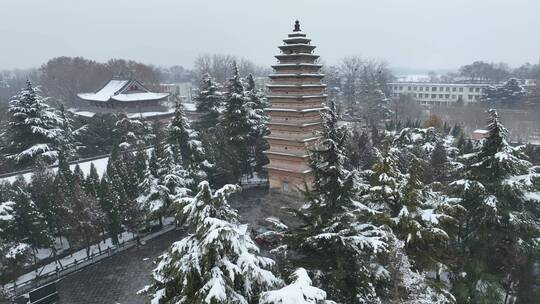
x=406, y=33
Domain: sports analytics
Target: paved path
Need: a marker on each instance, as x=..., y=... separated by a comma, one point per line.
x=116, y=279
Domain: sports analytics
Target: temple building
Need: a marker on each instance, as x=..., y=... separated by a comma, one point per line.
x=127, y=96
x=297, y=96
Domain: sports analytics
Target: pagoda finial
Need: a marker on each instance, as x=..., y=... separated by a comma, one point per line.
x=297, y=26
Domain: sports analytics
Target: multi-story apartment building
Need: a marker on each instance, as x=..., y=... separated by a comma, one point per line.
x=428, y=93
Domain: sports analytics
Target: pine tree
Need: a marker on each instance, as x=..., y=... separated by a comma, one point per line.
x=186, y=147
x=109, y=203
x=13, y=251
x=153, y=197
x=438, y=164
x=84, y=217
x=28, y=222
x=236, y=124
x=46, y=200
x=337, y=238
x=34, y=128
x=259, y=120
x=299, y=291
x=209, y=102
x=67, y=139
x=91, y=185
x=217, y=262
x=499, y=232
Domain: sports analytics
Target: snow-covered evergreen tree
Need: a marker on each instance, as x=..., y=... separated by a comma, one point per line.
x=237, y=127
x=499, y=233
x=34, y=128
x=299, y=291
x=209, y=102
x=259, y=128
x=29, y=225
x=67, y=139
x=338, y=240
x=186, y=146
x=153, y=195
x=42, y=192
x=217, y=262
x=13, y=251
x=92, y=181
x=408, y=286
x=83, y=216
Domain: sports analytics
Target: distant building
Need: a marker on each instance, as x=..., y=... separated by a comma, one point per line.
x=123, y=94
x=127, y=96
x=428, y=93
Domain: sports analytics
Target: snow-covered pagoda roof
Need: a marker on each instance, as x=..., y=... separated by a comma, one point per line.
x=124, y=90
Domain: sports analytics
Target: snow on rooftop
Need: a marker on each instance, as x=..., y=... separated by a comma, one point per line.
x=111, y=88
x=481, y=131
x=139, y=96
x=117, y=90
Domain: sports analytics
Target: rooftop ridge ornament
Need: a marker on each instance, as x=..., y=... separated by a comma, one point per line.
x=297, y=26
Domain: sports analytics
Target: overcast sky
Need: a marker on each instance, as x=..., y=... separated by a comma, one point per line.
x=430, y=34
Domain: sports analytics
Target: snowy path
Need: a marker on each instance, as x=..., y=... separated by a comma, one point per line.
x=116, y=279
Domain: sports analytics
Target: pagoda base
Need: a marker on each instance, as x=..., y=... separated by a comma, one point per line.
x=289, y=182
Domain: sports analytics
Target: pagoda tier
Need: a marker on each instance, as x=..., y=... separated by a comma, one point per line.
x=297, y=97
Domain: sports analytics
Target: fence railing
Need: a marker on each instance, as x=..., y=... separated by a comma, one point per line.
x=76, y=265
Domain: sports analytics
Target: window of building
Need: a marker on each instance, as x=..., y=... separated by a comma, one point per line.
x=414, y=88
x=408, y=88
x=477, y=90
x=433, y=95
x=447, y=89
x=434, y=89
x=447, y=96
x=441, y=89
x=461, y=89
x=427, y=89
x=400, y=88
x=453, y=96
x=440, y=95
x=471, y=89
x=421, y=88
x=470, y=97
x=285, y=186
x=453, y=89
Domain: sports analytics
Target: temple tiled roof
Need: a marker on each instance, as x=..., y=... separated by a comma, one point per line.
x=123, y=90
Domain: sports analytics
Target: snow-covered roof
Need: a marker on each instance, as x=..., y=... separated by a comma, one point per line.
x=123, y=90
x=129, y=115
x=481, y=131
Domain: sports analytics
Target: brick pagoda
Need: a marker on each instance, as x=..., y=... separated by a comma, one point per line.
x=296, y=96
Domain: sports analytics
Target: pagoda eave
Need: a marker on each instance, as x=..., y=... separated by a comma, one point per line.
x=297, y=97
x=300, y=64
x=297, y=75
x=309, y=124
x=297, y=46
x=304, y=140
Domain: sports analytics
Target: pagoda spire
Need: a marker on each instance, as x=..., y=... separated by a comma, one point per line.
x=297, y=26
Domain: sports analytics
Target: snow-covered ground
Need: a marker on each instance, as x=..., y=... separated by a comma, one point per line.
x=100, y=163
